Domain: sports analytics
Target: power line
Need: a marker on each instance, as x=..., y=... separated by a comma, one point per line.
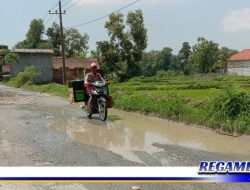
x=57, y=18
x=45, y=23
x=45, y=16
x=102, y=17
x=73, y=5
x=66, y=3
x=47, y=13
x=60, y=13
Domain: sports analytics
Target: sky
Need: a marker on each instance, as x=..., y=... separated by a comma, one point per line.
x=169, y=22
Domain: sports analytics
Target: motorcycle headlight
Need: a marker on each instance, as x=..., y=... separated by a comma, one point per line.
x=100, y=91
x=94, y=92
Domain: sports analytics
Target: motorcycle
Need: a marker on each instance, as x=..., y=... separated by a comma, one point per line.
x=98, y=103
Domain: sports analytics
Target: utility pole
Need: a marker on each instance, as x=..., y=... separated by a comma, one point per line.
x=62, y=40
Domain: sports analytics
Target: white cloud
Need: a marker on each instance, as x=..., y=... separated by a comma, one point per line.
x=237, y=20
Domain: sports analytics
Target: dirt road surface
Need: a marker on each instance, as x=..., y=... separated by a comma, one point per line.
x=43, y=130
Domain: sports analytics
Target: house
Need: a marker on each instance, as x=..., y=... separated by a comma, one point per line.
x=41, y=59
x=239, y=64
x=76, y=68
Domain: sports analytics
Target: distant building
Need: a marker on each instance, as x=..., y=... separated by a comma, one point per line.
x=239, y=64
x=76, y=68
x=41, y=59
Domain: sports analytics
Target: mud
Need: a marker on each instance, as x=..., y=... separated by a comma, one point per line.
x=126, y=132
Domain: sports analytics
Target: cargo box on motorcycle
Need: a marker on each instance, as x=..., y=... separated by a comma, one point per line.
x=77, y=91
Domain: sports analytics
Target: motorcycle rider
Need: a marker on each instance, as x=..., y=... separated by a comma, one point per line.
x=90, y=78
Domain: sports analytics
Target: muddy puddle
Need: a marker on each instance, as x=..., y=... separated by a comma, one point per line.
x=126, y=132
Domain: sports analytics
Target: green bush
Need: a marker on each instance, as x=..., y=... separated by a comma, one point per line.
x=230, y=103
x=229, y=110
x=172, y=107
x=26, y=76
x=166, y=74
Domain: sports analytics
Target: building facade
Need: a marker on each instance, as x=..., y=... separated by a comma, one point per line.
x=239, y=64
x=76, y=68
x=41, y=59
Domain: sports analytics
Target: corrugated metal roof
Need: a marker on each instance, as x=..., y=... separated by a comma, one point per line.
x=242, y=55
x=73, y=63
x=50, y=51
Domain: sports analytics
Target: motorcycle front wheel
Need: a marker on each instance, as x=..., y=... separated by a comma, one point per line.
x=103, y=110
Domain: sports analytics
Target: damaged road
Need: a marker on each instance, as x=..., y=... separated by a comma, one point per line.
x=44, y=130
x=27, y=138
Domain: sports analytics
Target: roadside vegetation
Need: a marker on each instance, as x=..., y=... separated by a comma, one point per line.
x=25, y=80
x=221, y=103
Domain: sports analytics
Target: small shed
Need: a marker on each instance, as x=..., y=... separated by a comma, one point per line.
x=75, y=68
x=239, y=64
x=41, y=59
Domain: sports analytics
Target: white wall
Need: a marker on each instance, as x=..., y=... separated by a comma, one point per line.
x=241, y=68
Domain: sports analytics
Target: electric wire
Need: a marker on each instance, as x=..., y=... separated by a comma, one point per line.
x=73, y=5
x=102, y=17
x=66, y=3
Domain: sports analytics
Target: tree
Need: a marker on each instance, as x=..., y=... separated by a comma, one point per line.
x=183, y=58
x=154, y=61
x=166, y=58
x=12, y=58
x=33, y=36
x=3, y=46
x=126, y=47
x=4, y=50
x=45, y=45
x=76, y=45
x=150, y=63
x=224, y=54
x=205, y=54
x=23, y=44
x=53, y=34
x=108, y=54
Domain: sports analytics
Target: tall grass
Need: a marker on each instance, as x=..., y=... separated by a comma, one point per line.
x=222, y=103
x=229, y=110
x=26, y=76
x=25, y=80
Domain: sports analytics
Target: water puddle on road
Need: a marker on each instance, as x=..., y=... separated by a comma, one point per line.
x=126, y=132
